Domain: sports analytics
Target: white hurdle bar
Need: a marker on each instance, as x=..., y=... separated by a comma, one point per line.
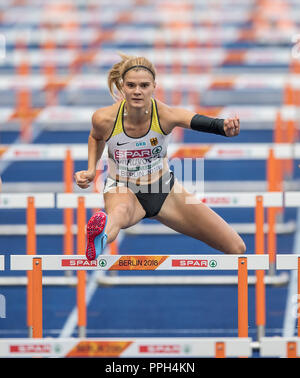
x=219, y=199
x=127, y=347
x=140, y=262
x=217, y=151
x=164, y=347
x=216, y=200
x=284, y=347
x=291, y=262
x=20, y=200
x=94, y=200
x=38, y=263
x=2, y=264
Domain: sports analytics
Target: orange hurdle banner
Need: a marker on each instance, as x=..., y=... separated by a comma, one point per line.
x=127, y=347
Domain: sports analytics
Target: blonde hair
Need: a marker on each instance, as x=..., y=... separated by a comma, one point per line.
x=118, y=71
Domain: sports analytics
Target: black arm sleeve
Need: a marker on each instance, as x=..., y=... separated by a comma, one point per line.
x=208, y=124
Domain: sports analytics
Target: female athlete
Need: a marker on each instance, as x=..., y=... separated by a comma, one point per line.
x=140, y=183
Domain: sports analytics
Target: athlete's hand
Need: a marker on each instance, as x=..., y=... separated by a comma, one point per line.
x=232, y=126
x=84, y=178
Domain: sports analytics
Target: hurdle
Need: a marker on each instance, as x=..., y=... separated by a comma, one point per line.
x=256, y=200
x=259, y=201
x=127, y=347
x=284, y=347
x=210, y=151
x=272, y=200
x=241, y=263
x=212, y=199
x=291, y=262
x=92, y=200
x=28, y=201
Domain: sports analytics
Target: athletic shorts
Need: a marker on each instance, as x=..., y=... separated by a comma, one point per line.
x=151, y=196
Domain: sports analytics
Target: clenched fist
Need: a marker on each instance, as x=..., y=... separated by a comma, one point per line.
x=232, y=126
x=84, y=178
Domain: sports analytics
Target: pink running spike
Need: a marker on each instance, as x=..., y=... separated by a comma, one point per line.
x=94, y=228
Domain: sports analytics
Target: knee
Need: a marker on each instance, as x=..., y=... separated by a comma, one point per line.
x=238, y=248
x=122, y=213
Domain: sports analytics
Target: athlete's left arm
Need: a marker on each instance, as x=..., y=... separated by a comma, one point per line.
x=190, y=120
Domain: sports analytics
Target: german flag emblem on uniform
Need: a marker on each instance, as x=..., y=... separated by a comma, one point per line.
x=153, y=141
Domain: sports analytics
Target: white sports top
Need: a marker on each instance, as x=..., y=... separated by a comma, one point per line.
x=136, y=157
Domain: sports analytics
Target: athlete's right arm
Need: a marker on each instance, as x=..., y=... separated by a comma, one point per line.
x=96, y=145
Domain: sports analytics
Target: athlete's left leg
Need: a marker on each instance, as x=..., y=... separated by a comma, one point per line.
x=187, y=215
x=122, y=210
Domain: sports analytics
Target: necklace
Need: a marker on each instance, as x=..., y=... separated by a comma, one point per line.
x=126, y=112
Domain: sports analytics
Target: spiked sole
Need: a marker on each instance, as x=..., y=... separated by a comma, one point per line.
x=94, y=228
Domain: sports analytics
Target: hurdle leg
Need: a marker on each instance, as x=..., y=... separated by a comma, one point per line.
x=274, y=184
x=242, y=297
x=81, y=274
x=260, y=285
x=220, y=350
x=68, y=212
x=291, y=349
x=272, y=239
x=30, y=250
x=298, y=300
x=37, y=298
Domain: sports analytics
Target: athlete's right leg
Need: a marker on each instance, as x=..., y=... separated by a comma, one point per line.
x=123, y=210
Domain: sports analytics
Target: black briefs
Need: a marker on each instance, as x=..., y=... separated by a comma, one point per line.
x=151, y=196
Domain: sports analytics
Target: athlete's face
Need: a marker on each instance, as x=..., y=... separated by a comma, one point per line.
x=138, y=88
